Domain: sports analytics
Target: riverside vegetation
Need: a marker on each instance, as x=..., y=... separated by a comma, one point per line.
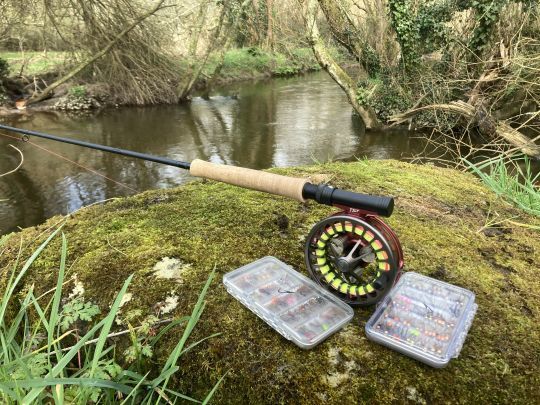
x=465, y=70
x=450, y=65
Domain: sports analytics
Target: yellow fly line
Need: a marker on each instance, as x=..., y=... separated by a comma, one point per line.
x=324, y=265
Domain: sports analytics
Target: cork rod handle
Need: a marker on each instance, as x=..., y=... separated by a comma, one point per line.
x=248, y=178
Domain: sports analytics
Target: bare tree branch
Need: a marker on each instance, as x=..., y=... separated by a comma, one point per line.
x=46, y=92
x=485, y=122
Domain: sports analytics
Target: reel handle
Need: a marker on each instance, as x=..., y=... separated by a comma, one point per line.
x=292, y=187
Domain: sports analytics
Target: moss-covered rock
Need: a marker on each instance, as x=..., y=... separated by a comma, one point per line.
x=171, y=239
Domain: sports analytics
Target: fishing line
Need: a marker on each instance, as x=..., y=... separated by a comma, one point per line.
x=18, y=166
x=26, y=140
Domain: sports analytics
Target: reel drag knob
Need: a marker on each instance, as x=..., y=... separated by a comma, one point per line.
x=356, y=258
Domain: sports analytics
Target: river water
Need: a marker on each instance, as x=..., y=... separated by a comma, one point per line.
x=279, y=122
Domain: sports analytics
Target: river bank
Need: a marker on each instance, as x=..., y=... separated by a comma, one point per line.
x=82, y=94
x=442, y=218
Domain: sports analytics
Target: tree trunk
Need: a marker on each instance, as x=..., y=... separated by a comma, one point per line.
x=270, y=23
x=334, y=70
x=186, y=87
x=196, y=32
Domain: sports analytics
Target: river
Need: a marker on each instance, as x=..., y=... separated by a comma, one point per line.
x=279, y=122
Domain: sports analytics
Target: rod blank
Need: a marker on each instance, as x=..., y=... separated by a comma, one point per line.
x=292, y=187
x=110, y=149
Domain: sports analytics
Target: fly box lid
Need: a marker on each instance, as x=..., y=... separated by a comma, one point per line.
x=424, y=318
x=292, y=304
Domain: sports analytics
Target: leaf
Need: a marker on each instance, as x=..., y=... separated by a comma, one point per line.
x=77, y=309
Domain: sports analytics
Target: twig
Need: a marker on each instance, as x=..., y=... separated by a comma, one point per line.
x=116, y=249
x=121, y=333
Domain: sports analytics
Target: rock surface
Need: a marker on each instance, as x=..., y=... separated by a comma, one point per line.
x=172, y=239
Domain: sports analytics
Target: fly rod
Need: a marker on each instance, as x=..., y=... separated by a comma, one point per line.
x=352, y=253
x=295, y=188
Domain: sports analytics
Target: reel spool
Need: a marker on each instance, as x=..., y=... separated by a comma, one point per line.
x=355, y=256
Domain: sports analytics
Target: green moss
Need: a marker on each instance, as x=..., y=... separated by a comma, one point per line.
x=440, y=214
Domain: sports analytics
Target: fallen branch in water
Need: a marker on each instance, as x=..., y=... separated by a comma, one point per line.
x=480, y=117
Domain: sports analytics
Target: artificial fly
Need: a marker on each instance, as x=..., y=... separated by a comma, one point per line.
x=352, y=253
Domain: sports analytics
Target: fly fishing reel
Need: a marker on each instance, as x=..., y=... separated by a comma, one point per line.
x=355, y=256
x=353, y=253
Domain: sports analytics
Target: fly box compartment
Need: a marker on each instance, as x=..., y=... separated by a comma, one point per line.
x=295, y=306
x=424, y=318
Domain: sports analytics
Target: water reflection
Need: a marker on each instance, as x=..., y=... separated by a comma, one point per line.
x=275, y=123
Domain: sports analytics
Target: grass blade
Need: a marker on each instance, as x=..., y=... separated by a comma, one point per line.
x=167, y=328
x=53, y=317
x=211, y=393
x=195, y=315
x=136, y=388
x=107, y=325
x=9, y=291
x=41, y=383
x=64, y=360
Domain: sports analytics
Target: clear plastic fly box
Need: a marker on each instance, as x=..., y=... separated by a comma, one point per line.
x=289, y=302
x=424, y=318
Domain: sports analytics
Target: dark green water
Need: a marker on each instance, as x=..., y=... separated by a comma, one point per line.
x=281, y=122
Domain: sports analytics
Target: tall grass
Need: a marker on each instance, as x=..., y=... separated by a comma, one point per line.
x=513, y=179
x=41, y=362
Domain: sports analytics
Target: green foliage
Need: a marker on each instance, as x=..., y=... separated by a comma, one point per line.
x=42, y=360
x=403, y=19
x=140, y=347
x=487, y=15
x=362, y=96
x=34, y=63
x=384, y=95
x=76, y=310
x=254, y=61
x=77, y=91
x=254, y=51
x=420, y=27
x=305, y=57
x=4, y=68
x=513, y=179
x=370, y=60
x=431, y=21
